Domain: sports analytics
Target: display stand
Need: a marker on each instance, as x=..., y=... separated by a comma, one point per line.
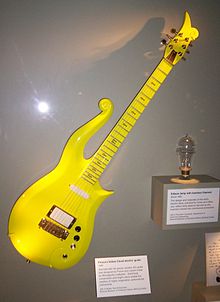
x=201, y=293
x=189, y=205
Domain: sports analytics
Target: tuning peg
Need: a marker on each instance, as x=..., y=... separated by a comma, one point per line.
x=173, y=31
x=187, y=51
x=183, y=58
x=190, y=44
x=163, y=42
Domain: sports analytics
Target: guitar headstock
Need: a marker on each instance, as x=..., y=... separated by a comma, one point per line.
x=178, y=45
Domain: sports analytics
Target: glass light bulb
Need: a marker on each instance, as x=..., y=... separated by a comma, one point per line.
x=185, y=149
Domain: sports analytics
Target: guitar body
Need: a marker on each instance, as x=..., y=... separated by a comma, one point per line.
x=52, y=221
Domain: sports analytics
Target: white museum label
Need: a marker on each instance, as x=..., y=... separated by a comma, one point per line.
x=212, y=258
x=122, y=276
x=196, y=205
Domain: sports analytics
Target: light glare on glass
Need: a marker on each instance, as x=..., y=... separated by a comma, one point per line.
x=43, y=107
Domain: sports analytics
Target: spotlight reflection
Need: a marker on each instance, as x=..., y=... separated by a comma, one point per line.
x=43, y=107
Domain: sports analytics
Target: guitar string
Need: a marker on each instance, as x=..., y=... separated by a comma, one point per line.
x=79, y=202
x=73, y=196
x=73, y=200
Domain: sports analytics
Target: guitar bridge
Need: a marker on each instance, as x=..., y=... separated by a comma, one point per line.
x=53, y=229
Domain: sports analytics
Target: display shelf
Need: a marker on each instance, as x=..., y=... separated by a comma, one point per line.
x=202, y=293
x=185, y=205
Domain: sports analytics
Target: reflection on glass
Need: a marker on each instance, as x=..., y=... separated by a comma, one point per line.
x=43, y=107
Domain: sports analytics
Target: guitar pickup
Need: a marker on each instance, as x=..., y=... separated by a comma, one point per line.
x=61, y=217
x=53, y=229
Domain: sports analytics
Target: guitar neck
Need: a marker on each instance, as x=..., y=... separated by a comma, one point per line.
x=115, y=138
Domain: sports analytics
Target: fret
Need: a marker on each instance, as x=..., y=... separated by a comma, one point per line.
x=90, y=176
x=118, y=135
x=162, y=71
x=148, y=91
x=102, y=158
x=110, y=146
x=132, y=112
x=92, y=182
x=104, y=155
x=125, y=125
x=94, y=170
x=153, y=83
x=114, y=141
x=126, y=121
x=142, y=98
x=128, y=118
x=121, y=131
x=159, y=75
x=107, y=150
x=87, y=180
x=138, y=106
x=98, y=163
x=165, y=66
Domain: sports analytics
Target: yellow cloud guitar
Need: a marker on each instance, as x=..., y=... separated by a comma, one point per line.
x=52, y=221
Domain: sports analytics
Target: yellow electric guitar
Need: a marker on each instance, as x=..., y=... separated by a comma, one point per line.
x=52, y=221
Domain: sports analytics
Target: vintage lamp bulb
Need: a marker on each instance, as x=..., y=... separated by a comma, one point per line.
x=185, y=149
